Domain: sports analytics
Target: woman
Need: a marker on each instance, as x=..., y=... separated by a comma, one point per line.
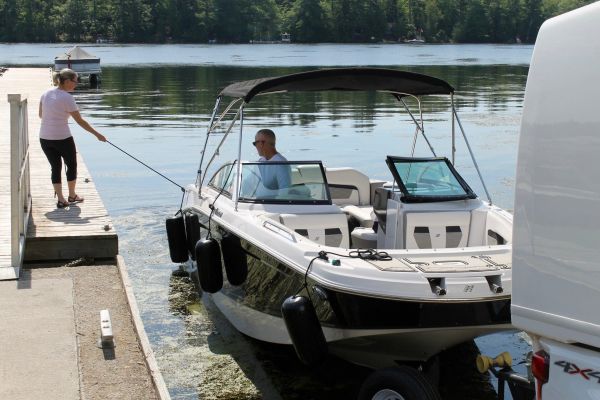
x=56, y=106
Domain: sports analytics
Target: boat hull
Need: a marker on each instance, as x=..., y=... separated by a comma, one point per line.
x=373, y=348
x=370, y=331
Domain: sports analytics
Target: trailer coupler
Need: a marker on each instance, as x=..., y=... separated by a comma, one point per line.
x=521, y=387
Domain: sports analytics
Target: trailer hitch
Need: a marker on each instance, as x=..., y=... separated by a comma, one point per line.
x=521, y=387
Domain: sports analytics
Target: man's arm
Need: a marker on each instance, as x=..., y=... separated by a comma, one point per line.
x=284, y=176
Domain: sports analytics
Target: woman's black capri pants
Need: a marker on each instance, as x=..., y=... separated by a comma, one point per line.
x=56, y=151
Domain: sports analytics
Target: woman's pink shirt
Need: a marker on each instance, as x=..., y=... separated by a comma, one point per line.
x=57, y=104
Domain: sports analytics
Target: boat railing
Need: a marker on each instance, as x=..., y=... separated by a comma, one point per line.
x=20, y=191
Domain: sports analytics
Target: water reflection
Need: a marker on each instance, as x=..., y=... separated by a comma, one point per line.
x=168, y=107
x=187, y=94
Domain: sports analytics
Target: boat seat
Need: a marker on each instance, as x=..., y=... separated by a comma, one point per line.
x=325, y=229
x=364, y=238
x=363, y=214
x=437, y=230
x=348, y=186
x=306, y=174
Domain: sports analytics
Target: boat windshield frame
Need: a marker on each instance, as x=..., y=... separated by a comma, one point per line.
x=273, y=196
x=242, y=93
x=408, y=196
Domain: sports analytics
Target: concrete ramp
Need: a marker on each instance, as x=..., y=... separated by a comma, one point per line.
x=38, y=346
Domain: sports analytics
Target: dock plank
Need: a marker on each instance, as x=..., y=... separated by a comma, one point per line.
x=82, y=230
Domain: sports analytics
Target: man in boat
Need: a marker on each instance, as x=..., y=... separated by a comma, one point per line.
x=274, y=177
x=264, y=141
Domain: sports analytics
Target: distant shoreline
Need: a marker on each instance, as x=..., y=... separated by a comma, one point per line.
x=264, y=42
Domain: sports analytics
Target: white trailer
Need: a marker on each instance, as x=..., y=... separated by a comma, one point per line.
x=556, y=240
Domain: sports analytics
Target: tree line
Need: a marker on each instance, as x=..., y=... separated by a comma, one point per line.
x=308, y=21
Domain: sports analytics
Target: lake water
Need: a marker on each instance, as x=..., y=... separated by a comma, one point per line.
x=155, y=103
x=284, y=55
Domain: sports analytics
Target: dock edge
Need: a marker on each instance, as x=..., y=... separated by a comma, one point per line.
x=151, y=364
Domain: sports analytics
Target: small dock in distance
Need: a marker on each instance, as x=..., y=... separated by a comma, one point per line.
x=70, y=271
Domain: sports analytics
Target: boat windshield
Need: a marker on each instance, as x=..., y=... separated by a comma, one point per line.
x=428, y=180
x=290, y=182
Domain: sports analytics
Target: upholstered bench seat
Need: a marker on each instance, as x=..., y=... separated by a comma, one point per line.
x=326, y=229
x=363, y=214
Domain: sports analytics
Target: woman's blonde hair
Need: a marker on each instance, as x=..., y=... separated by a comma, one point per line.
x=59, y=77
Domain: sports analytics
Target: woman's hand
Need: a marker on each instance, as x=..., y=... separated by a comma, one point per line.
x=84, y=124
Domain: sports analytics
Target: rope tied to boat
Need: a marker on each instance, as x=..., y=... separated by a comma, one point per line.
x=370, y=254
x=146, y=165
x=153, y=170
x=363, y=254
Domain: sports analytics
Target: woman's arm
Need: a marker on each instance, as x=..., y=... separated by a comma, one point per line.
x=40, y=110
x=85, y=125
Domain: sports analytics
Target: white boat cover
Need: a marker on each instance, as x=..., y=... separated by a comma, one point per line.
x=76, y=53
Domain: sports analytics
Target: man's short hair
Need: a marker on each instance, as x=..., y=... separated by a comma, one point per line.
x=268, y=134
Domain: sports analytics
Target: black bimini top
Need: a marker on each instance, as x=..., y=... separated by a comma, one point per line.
x=351, y=79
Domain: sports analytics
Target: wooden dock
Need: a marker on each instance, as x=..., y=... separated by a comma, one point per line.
x=51, y=313
x=83, y=230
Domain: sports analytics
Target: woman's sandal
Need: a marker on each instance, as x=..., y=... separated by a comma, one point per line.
x=61, y=204
x=75, y=199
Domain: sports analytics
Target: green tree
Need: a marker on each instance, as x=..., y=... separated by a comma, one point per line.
x=473, y=26
x=264, y=20
x=8, y=16
x=371, y=21
x=74, y=15
x=308, y=22
x=395, y=19
x=205, y=20
x=238, y=21
x=231, y=26
x=532, y=19
x=552, y=8
x=433, y=22
x=342, y=17
x=415, y=10
x=182, y=21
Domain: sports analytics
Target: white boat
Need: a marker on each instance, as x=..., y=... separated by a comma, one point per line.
x=85, y=64
x=437, y=271
x=415, y=41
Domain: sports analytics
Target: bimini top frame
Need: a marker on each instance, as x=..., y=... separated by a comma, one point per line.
x=400, y=84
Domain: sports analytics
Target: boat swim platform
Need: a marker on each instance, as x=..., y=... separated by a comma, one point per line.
x=82, y=230
x=51, y=312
